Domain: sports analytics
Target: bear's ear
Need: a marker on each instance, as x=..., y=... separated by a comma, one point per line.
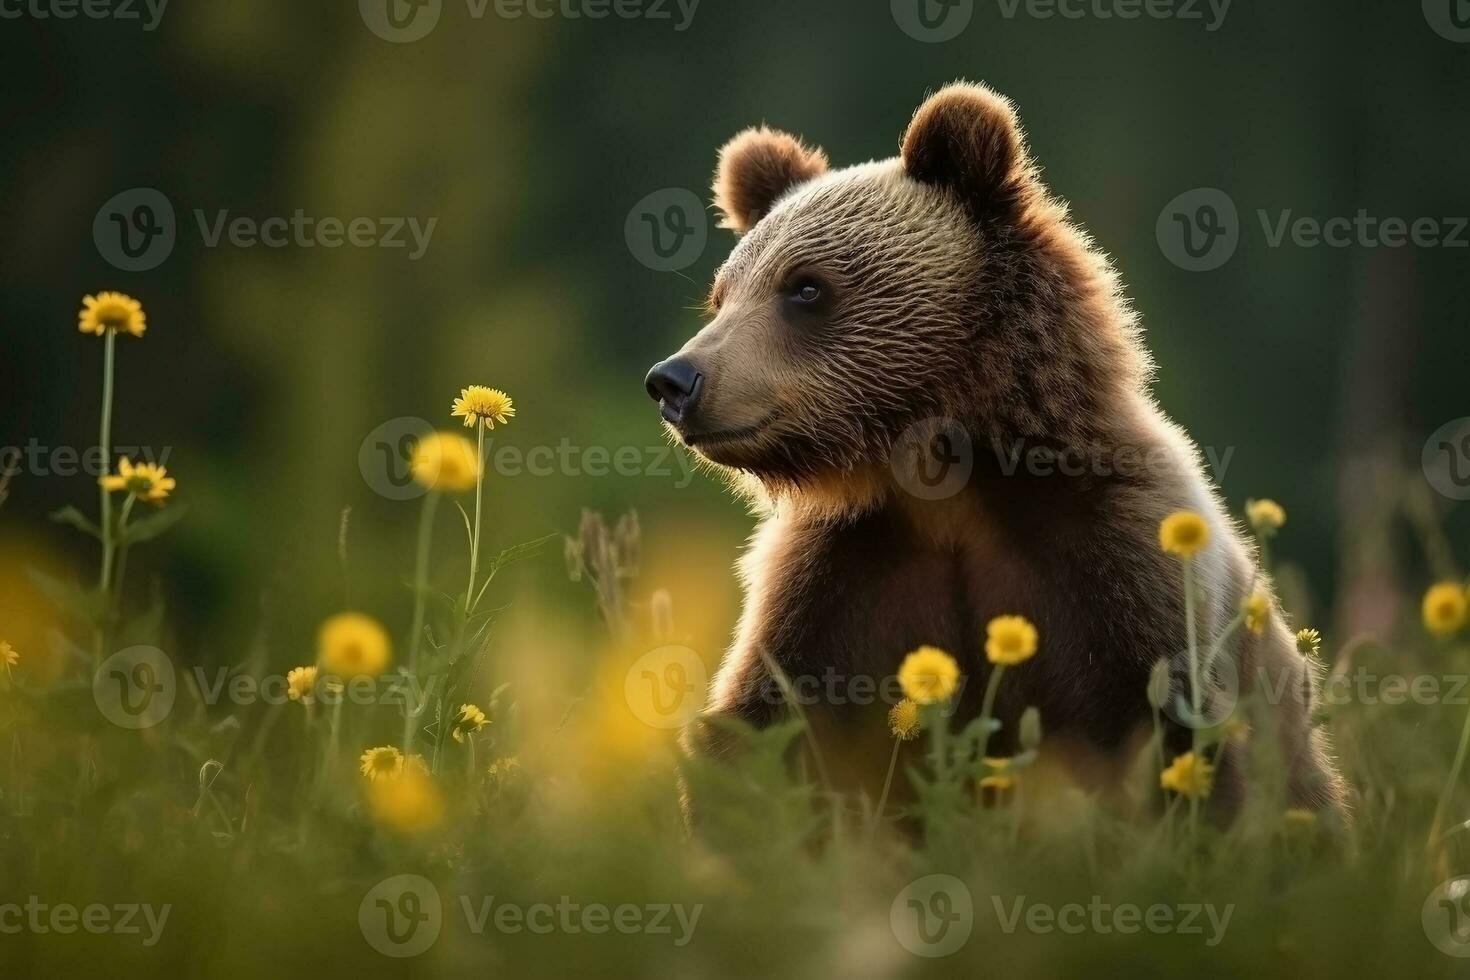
x=966, y=137
x=756, y=168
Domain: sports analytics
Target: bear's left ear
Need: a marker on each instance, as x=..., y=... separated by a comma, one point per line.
x=966, y=137
x=756, y=168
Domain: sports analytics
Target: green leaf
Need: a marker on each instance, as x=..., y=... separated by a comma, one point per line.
x=520, y=552
x=150, y=527
x=87, y=605
x=469, y=532
x=72, y=517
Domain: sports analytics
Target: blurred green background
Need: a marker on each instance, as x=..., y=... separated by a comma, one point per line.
x=531, y=140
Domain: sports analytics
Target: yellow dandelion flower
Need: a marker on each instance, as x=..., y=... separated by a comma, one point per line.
x=1257, y=612
x=1183, y=533
x=1188, y=775
x=111, y=311
x=1300, y=817
x=903, y=720
x=1266, y=516
x=469, y=720
x=1309, y=643
x=301, y=683
x=1009, y=640
x=8, y=656
x=445, y=461
x=352, y=644
x=146, y=481
x=928, y=675
x=478, y=404
x=409, y=802
x=1445, y=608
x=999, y=782
x=384, y=762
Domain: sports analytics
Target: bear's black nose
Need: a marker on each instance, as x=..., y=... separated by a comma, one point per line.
x=675, y=385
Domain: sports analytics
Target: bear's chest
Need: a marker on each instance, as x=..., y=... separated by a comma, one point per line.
x=856, y=599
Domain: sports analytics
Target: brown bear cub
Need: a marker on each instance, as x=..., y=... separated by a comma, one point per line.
x=930, y=382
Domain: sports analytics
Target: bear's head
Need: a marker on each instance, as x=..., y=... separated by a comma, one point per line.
x=859, y=304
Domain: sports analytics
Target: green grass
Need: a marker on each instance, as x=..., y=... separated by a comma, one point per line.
x=250, y=822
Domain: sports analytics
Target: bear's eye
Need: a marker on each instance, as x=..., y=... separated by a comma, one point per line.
x=805, y=290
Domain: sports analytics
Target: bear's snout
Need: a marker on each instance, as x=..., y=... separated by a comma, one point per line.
x=675, y=384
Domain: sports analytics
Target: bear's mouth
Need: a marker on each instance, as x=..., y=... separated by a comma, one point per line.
x=715, y=438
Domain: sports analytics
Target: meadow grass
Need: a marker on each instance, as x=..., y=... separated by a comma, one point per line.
x=267, y=825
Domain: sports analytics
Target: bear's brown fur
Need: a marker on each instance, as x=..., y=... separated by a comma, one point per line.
x=859, y=308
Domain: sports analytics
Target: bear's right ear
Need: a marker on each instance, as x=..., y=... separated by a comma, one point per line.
x=756, y=168
x=966, y=137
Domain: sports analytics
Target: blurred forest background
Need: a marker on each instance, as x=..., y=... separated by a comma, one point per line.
x=530, y=141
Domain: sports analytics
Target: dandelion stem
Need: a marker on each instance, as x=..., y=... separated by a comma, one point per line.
x=421, y=578
x=1449, y=787
x=938, y=723
x=987, y=706
x=475, y=537
x=122, y=556
x=104, y=442
x=1194, y=687
x=887, y=783
x=420, y=592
